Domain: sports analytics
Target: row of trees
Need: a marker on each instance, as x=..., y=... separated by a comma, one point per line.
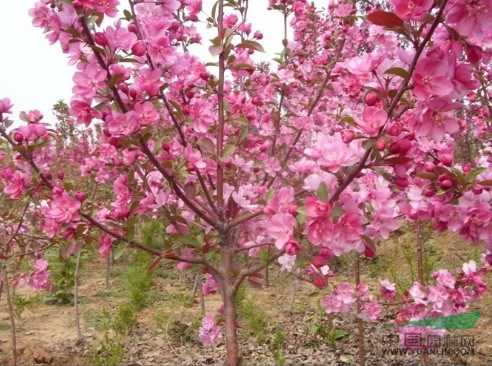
x=348, y=134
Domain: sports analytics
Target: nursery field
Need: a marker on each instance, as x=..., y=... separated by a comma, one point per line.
x=134, y=321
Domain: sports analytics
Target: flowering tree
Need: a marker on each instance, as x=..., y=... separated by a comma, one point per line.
x=249, y=164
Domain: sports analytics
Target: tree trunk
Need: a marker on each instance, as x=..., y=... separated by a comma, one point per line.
x=230, y=314
x=76, y=298
x=360, y=324
x=11, y=315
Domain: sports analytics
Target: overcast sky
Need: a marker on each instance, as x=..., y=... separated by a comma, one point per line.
x=35, y=74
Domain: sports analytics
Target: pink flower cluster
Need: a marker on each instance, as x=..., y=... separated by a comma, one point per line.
x=209, y=333
x=38, y=279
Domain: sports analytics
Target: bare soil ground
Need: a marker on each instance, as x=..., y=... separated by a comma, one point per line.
x=165, y=332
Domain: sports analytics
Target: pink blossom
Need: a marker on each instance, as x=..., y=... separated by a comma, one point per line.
x=418, y=294
x=107, y=7
x=282, y=202
x=83, y=112
x=469, y=268
x=371, y=312
x=320, y=230
x=364, y=64
x=148, y=82
x=209, y=285
x=373, y=119
x=412, y=9
x=5, y=106
x=387, y=290
x=31, y=132
x=209, y=333
x=437, y=295
x=16, y=186
x=437, y=119
x=431, y=77
x=281, y=228
x=88, y=81
x=123, y=124
x=64, y=209
x=146, y=112
x=287, y=262
x=316, y=208
x=470, y=17
x=105, y=244
x=445, y=278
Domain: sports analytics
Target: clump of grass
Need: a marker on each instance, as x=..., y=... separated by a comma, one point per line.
x=109, y=352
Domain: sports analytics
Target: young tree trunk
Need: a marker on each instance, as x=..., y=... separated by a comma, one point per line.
x=420, y=252
x=230, y=313
x=11, y=315
x=360, y=324
x=107, y=271
x=76, y=297
x=420, y=267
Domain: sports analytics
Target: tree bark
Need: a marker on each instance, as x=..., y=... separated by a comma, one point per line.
x=230, y=313
x=76, y=298
x=360, y=324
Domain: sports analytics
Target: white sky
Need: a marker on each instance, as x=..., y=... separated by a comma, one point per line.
x=35, y=74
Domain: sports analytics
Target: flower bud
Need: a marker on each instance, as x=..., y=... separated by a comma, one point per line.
x=474, y=54
x=80, y=196
x=319, y=261
x=292, y=247
x=319, y=281
x=446, y=183
x=139, y=48
x=57, y=191
x=380, y=145
x=371, y=98
x=429, y=167
x=394, y=129
x=100, y=39
x=477, y=189
x=401, y=182
x=348, y=136
x=325, y=253
x=446, y=159
x=18, y=137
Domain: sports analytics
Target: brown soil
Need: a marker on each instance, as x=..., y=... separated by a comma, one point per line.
x=46, y=335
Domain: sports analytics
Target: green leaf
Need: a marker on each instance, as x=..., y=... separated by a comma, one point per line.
x=118, y=252
x=244, y=133
x=474, y=173
x=128, y=15
x=399, y=71
x=459, y=175
x=228, y=150
x=368, y=144
x=252, y=45
x=349, y=120
x=322, y=192
x=115, y=80
x=337, y=212
x=264, y=256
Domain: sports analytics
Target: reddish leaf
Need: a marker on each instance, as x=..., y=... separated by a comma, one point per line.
x=384, y=19
x=487, y=183
x=397, y=160
x=154, y=263
x=254, y=283
x=370, y=251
